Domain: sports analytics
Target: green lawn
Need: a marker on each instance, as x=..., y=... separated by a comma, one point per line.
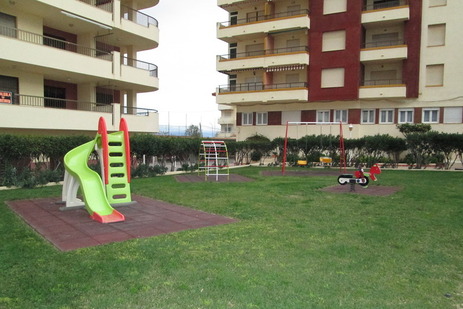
x=294, y=247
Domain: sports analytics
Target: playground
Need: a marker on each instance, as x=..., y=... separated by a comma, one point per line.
x=292, y=244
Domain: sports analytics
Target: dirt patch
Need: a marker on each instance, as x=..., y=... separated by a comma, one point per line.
x=306, y=173
x=374, y=190
x=220, y=178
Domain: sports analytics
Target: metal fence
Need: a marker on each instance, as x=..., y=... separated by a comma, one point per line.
x=259, y=87
x=151, y=68
x=274, y=51
x=263, y=17
x=46, y=102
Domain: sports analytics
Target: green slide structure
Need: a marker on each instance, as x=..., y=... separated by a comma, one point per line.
x=99, y=194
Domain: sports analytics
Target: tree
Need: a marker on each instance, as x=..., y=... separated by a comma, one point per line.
x=193, y=131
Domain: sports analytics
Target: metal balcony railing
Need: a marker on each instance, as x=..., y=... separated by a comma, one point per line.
x=386, y=43
x=252, y=19
x=139, y=111
x=52, y=42
x=383, y=4
x=36, y=101
x=137, y=17
x=258, y=87
x=126, y=12
x=382, y=82
x=274, y=51
x=151, y=68
x=106, y=5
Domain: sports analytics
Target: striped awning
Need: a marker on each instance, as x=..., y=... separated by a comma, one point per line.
x=286, y=68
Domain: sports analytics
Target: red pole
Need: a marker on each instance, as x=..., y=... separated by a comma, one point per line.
x=285, y=149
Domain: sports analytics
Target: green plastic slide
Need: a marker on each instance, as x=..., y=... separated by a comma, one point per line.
x=91, y=185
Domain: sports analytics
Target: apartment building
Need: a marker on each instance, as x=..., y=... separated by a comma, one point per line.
x=66, y=63
x=370, y=64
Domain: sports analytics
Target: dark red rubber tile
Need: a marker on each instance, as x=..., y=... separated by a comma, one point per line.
x=73, y=229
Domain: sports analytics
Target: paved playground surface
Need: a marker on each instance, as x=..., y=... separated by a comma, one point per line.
x=73, y=229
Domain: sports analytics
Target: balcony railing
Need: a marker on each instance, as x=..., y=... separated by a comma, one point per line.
x=274, y=51
x=151, y=68
x=385, y=4
x=259, y=87
x=52, y=42
x=139, y=111
x=383, y=43
x=137, y=17
x=263, y=18
x=35, y=101
x=382, y=82
x=106, y=5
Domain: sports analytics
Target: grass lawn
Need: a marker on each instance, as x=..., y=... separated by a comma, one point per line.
x=294, y=247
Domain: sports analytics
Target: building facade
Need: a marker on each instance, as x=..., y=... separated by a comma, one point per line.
x=370, y=64
x=66, y=63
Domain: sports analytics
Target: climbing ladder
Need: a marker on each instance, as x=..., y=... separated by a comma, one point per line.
x=213, y=159
x=114, y=149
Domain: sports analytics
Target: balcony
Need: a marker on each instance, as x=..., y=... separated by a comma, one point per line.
x=264, y=59
x=384, y=51
x=376, y=89
x=33, y=112
x=76, y=61
x=249, y=93
x=385, y=12
x=249, y=28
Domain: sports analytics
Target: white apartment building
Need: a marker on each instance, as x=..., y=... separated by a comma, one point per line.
x=66, y=63
x=370, y=64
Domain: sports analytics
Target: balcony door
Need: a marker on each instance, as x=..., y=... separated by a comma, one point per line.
x=55, y=97
x=7, y=25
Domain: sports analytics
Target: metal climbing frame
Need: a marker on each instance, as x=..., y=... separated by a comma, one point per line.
x=213, y=159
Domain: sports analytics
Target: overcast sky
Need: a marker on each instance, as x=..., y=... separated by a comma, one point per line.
x=186, y=58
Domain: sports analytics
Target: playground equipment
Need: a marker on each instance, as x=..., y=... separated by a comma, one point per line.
x=99, y=194
x=213, y=159
x=360, y=177
x=323, y=160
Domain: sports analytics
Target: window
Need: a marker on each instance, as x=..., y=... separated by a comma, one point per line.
x=332, y=78
x=405, y=115
x=334, y=6
x=255, y=50
x=233, y=18
x=55, y=97
x=334, y=40
x=384, y=39
x=323, y=116
x=382, y=4
x=340, y=115
x=261, y=118
x=386, y=116
x=246, y=119
x=453, y=115
x=254, y=16
x=7, y=25
x=290, y=116
x=435, y=75
x=436, y=35
x=232, y=48
x=368, y=116
x=430, y=115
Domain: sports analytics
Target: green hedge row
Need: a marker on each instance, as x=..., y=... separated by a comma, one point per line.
x=20, y=154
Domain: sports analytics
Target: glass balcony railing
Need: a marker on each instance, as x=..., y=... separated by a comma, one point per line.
x=386, y=43
x=382, y=82
x=274, y=51
x=262, y=17
x=383, y=4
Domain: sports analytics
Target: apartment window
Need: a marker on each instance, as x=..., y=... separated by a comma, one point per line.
x=384, y=39
x=334, y=40
x=7, y=25
x=332, y=78
x=232, y=82
x=435, y=75
x=9, y=84
x=232, y=50
x=340, y=115
x=246, y=119
x=386, y=116
x=233, y=18
x=55, y=97
x=437, y=3
x=368, y=116
x=436, y=35
x=334, y=6
x=254, y=50
x=382, y=4
x=262, y=118
x=405, y=115
x=290, y=116
x=254, y=16
x=430, y=115
x=453, y=115
x=323, y=116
